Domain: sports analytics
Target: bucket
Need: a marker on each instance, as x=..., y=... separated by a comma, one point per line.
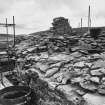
x=15, y=95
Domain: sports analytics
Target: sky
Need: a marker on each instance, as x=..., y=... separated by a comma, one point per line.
x=37, y=15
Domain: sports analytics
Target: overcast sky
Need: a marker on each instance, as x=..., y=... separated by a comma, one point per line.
x=37, y=15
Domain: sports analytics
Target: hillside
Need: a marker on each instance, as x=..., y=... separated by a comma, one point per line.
x=78, y=31
x=62, y=67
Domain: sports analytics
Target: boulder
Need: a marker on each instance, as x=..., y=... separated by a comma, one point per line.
x=98, y=72
x=89, y=86
x=95, y=79
x=51, y=72
x=94, y=99
x=101, y=89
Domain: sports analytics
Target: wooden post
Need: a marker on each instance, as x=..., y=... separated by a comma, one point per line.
x=7, y=41
x=90, y=22
x=7, y=33
x=14, y=30
x=89, y=19
x=81, y=23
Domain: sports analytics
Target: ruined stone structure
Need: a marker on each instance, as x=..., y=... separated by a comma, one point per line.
x=61, y=26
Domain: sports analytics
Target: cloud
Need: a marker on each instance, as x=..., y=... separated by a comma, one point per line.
x=37, y=15
x=5, y=5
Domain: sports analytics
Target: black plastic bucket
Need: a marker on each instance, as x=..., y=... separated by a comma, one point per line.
x=15, y=95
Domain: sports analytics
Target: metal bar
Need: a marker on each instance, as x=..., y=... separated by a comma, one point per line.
x=4, y=25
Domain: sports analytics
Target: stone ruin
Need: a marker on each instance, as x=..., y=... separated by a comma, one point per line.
x=61, y=26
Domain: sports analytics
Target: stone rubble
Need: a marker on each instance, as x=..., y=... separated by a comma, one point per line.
x=71, y=63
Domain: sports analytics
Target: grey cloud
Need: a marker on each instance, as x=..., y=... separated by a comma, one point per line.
x=5, y=5
x=38, y=14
